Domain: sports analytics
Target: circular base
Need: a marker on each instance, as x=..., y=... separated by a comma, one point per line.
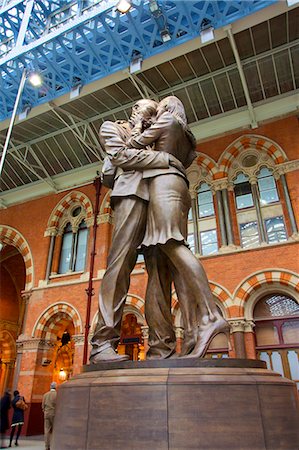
x=236, y=405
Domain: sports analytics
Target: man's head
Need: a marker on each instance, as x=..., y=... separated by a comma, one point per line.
x=143, y=110
x=53, y=385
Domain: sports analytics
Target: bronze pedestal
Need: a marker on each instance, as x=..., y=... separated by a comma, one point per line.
x=178, y=405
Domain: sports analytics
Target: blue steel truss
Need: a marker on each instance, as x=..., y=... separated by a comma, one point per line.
x=75, y=42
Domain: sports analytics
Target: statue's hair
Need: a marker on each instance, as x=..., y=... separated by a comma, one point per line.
x=176, y=108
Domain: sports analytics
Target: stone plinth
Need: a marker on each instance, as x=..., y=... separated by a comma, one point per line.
x=177, y=405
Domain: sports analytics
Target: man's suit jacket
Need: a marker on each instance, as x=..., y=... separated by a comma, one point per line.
x=131, y=163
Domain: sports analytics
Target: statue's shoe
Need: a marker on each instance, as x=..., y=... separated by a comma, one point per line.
x=107, y=355
x=206, y=334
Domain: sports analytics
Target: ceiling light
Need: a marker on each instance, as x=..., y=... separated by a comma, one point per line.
x=206, y=31
x=75, y=91
x=35, y=79
x=123, y=6
x=153, y=6
x=165, y=35
x=136, y=62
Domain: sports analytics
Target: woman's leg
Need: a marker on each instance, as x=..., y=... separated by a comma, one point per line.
x=191, y=278
x=18, y=434
x=11, y=434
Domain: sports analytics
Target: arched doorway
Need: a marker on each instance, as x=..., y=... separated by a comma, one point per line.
x=131, y=341
x=218, y=347
x=12, y=308
x=276, y=319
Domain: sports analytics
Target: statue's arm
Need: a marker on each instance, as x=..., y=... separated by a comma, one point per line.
x=151, y=134
x=129, y=158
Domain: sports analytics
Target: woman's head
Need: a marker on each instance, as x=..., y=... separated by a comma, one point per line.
x=173, y=105
x=144, y=110
x=15, y=393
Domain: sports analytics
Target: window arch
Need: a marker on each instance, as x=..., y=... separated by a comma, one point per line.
x=276, y=319
x=68, y=228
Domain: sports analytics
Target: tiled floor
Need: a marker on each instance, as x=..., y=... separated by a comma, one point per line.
x=29, y=443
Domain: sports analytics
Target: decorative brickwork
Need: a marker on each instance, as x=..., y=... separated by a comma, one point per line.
x=11, y=236
x=257, y=281
x=8, y=346
x=261, y=143
x=50, y=321
x=74, y=198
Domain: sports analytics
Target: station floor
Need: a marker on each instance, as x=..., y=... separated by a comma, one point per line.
x=29, y=443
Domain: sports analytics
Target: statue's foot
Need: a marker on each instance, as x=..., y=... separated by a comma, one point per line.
x=107, y=355
x=206, y=334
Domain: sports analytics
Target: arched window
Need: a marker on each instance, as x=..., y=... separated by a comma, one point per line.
x=202, y=234
x=276, y=319
x=259, y=212
x=73, y=248
x=218, y=347
x=243, y=193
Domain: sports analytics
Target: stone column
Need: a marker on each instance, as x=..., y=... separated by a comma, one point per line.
x=256, y=201
x=56, y=253
x=237, y=329
x=221, y=215
x=227, y=216
x=288, y=202
x=145, y=335
x=50, y=253
x=179, y=333
x=249, y=337
x=78, y=340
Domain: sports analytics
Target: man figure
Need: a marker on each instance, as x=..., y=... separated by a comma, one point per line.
x=48, y=407
x=129, y=199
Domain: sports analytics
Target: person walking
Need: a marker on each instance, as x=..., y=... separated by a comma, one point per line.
x=19, y=405
x=48, y=407
x=5, y=404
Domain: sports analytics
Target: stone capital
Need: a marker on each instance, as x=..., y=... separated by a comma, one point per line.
x=51, y=231
x=237, y=325
x=26, y=343
x=179, y=332
x=25, y=295
x=145, y=331
x=249, y=326
x=104, y=218
x=78, y=339
x=219, y=185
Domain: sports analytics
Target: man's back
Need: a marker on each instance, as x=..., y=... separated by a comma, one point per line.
x=49, y=403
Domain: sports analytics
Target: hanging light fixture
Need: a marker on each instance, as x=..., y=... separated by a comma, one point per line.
x=123, y=6
x=206, y=31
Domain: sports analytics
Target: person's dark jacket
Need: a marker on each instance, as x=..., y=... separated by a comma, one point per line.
x=5, y=405
x=18, y=415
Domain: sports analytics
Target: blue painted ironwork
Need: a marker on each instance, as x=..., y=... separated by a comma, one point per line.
x=71, y=42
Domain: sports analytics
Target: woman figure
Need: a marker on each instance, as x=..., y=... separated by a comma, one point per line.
x=166, y=234
x=5, y=406
x=18, y=416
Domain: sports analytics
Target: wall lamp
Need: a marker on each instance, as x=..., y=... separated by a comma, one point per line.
x=206, y=31
x=123, y=6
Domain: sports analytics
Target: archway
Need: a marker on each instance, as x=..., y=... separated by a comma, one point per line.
x=12, y=281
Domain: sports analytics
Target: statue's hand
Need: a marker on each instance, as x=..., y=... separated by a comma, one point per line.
x=174, y=162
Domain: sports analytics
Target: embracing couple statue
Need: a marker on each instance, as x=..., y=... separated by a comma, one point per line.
x=150, y=197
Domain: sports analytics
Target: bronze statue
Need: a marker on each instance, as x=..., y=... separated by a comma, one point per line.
x=151, y=202
x=129, y=199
